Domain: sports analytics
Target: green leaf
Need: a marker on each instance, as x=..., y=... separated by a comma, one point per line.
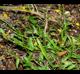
x=17, y=62
x=1, y=31
x=28, y=63
x=30, y=44
x=42, y=49
x=53, y=43
x=32, y=20
x=41, y=57
x=71, y=67
x=77, y=56
x=66, y=64
x=43, y=68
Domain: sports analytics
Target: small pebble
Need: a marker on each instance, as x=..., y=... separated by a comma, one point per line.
x=67, y=13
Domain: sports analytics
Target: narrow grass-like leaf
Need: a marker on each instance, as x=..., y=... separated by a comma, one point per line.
x=42, y=49
x=28, y=63
x=44, y=52
x=30, y=44
x=1, y=31
x=53, y=43
x=17, y=62
x=71, y=67
x=32, y=20
x=66, y=64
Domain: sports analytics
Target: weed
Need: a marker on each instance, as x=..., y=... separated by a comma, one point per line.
x=35, y=38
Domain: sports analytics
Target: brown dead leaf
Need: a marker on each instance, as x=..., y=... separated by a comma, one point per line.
x=77, y=51
x=1, y=46
x=62, y=53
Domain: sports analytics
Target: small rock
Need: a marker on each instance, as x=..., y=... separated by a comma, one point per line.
x=67, y=13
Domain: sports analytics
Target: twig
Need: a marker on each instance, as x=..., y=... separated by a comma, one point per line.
x=36, y=8
x=14, y=8
x=46, y=23
x=33, y=8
